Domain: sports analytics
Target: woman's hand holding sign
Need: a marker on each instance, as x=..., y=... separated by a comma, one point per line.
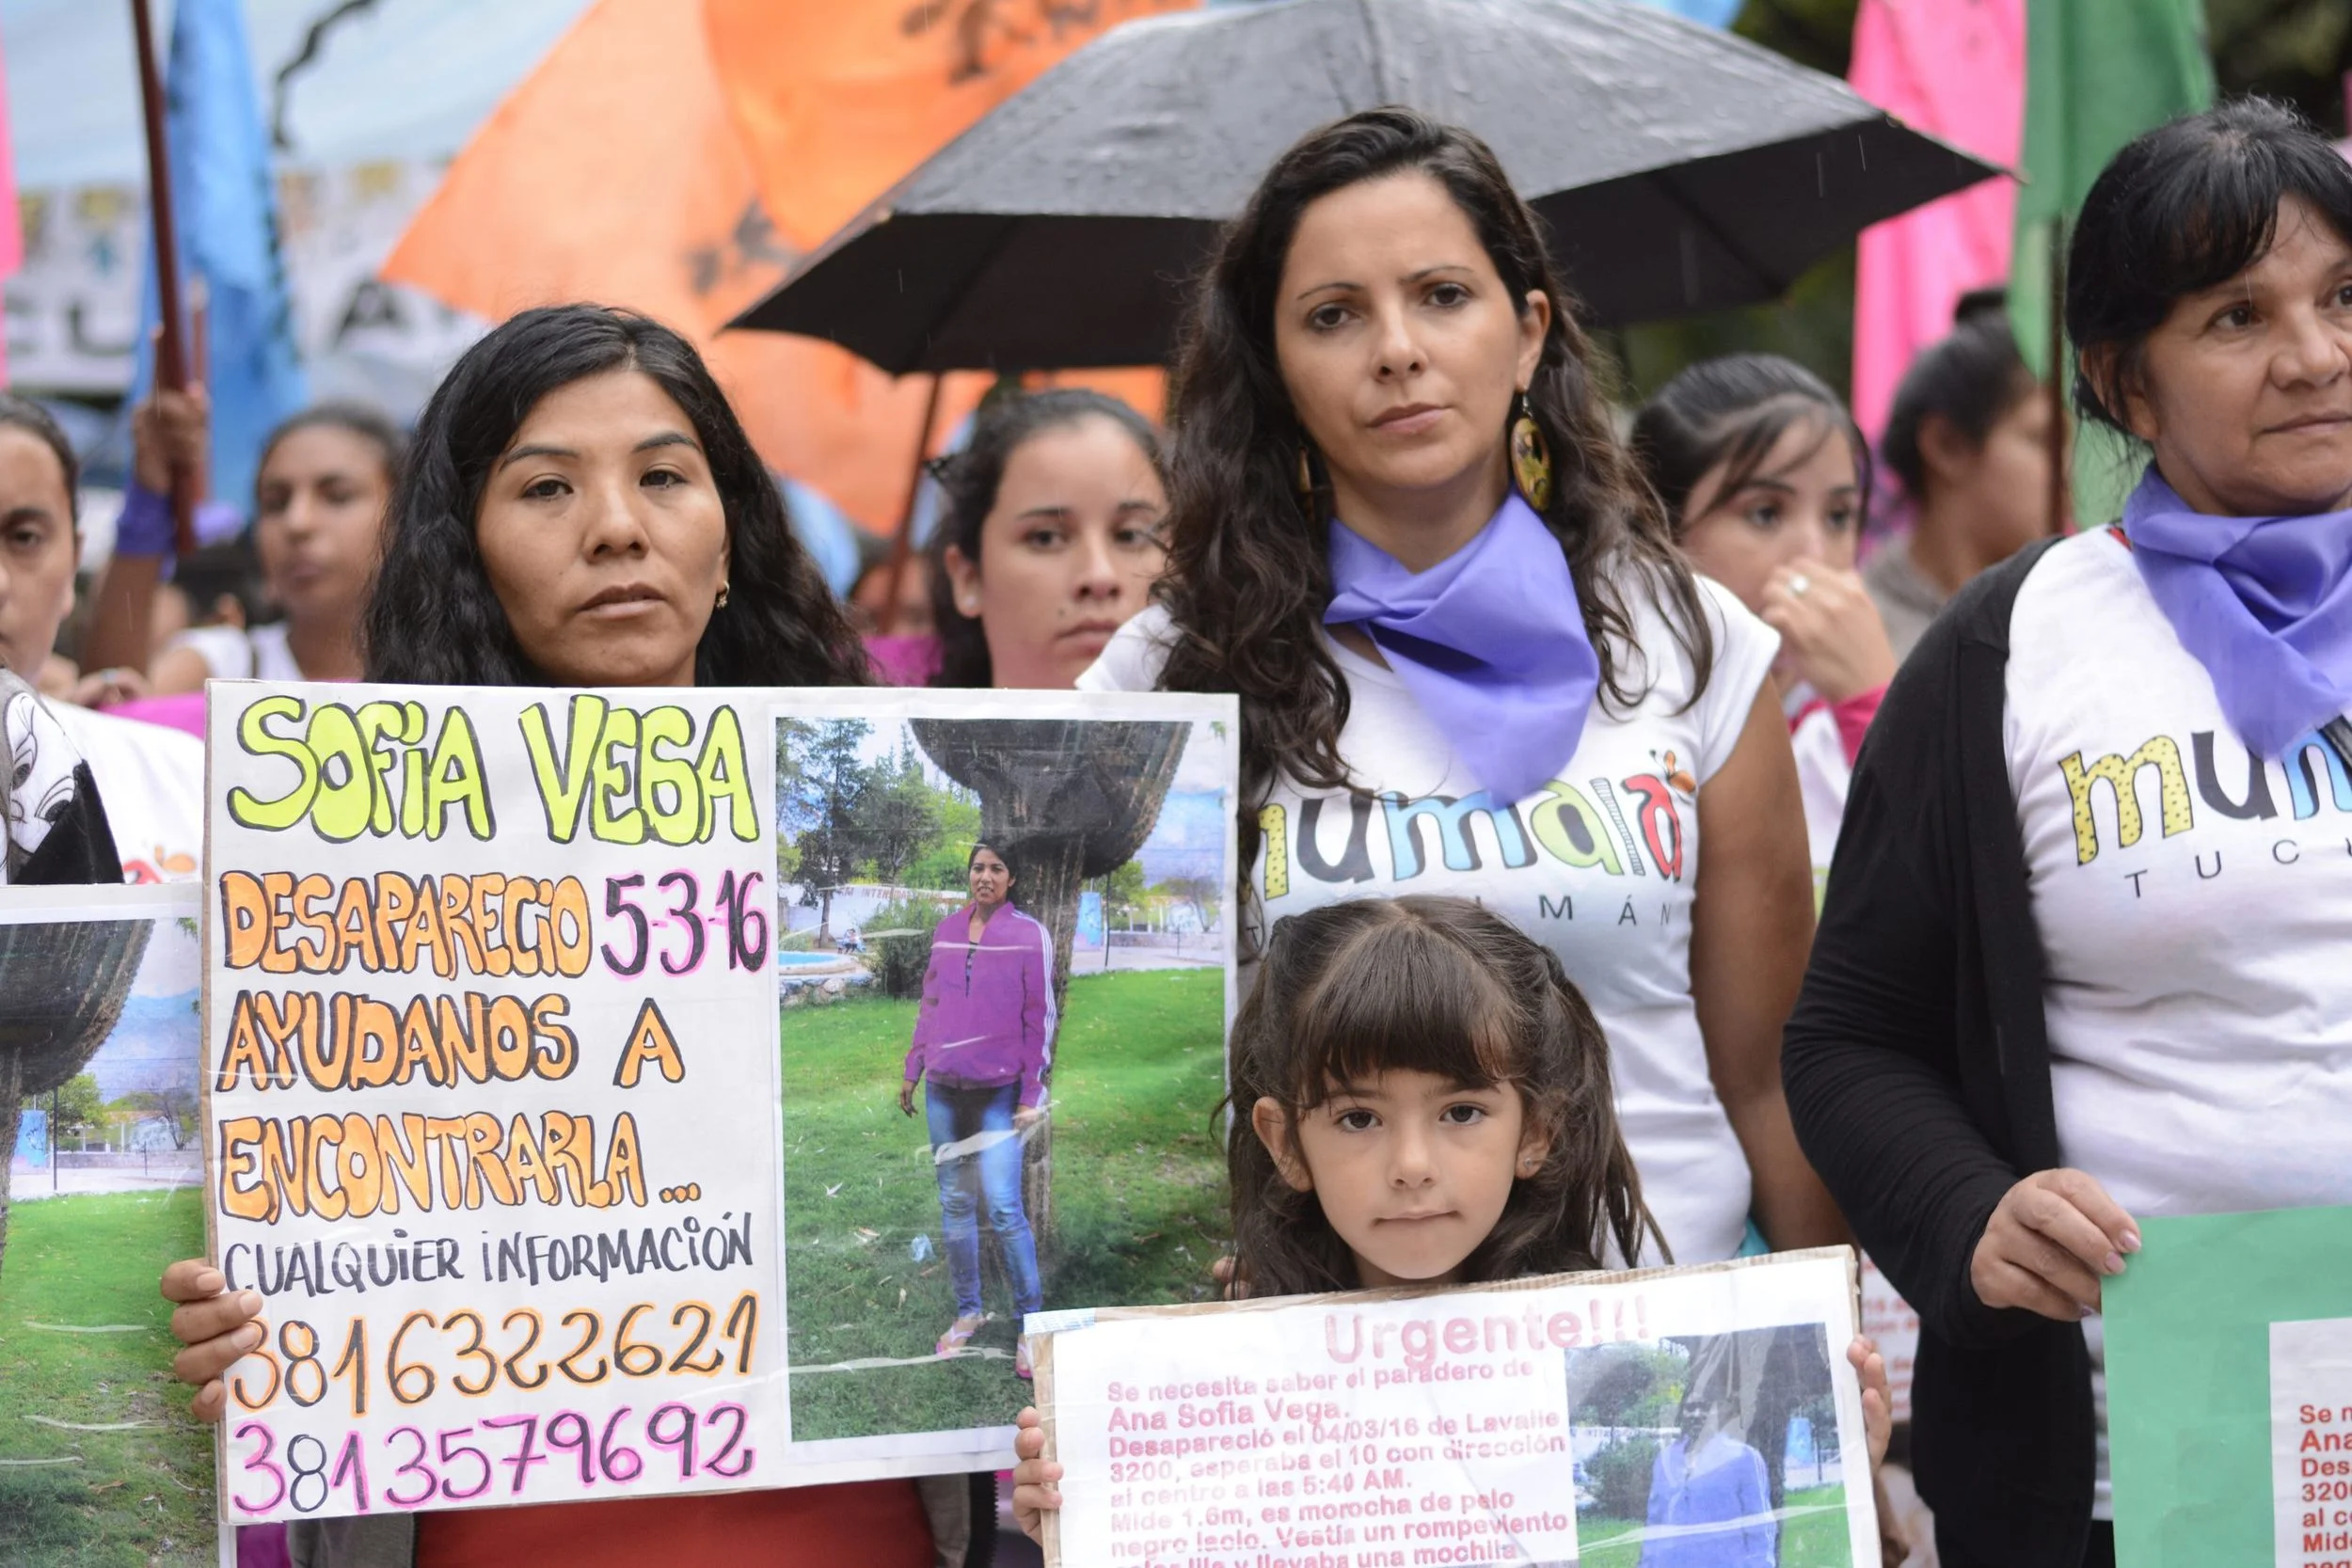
x=2055, y=1237
x=1035, y=1493
x=217, y=1327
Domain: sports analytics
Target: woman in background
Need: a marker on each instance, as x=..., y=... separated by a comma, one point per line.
x=325, y=480
x=1763, y=475
x=1051, y=538
x=1968, y=436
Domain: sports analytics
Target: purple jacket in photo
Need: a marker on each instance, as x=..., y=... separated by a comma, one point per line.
x=987, y=1018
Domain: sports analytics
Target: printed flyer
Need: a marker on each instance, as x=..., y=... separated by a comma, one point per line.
x=1696, y=1416
x=99, y=1056
x=492, y=1094
x=1005, y=973
x=2229, y=1362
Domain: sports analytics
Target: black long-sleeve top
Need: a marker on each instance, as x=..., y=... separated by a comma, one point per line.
x=1917, y=1067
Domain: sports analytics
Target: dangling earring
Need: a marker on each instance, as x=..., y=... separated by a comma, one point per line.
x=721, y=602
x=1306, y=483
x=1530, y=459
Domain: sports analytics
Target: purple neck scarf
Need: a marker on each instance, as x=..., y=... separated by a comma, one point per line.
x=2264, y=604
x=1489, y=641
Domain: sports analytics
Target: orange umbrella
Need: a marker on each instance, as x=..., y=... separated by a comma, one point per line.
x=618, y=171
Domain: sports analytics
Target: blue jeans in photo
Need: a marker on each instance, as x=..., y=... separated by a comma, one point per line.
x=978, y=1156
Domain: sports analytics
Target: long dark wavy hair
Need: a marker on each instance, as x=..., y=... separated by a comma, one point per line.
x=1446, y=987
x=433, y=617
x=969, y=479
x=1247, y=577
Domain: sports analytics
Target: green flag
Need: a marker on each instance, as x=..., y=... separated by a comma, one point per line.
x=2098, y=72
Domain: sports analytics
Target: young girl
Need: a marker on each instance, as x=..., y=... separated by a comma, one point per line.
x=1426, y=1101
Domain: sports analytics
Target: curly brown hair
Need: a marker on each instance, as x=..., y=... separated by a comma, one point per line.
x=1446, y=987
x=1249, y=578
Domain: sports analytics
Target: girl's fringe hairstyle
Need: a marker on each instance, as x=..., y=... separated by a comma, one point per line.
x=1445, y=986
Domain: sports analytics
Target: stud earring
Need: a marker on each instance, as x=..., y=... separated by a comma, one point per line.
x=1530, y=459
x=721, y=602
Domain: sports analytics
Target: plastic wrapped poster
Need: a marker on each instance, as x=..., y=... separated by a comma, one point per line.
x=491, y=1078
x=100, y=1056
x=2228, y=1371
x=538, y=1021
x=1695, y=1417
x=1007, y=972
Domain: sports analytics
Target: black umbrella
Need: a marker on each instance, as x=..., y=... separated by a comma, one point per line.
x=1680, y=170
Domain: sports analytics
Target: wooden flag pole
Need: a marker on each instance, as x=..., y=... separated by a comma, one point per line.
x=172, y=364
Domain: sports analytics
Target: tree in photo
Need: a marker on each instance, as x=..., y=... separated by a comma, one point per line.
x=821, y=792
x=49, y=1032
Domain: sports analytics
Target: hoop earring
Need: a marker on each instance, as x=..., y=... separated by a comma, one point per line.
x=1530, y=459
x=1306, y=483
x=721, y=602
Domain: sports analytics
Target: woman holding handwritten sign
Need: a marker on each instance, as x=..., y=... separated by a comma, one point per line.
x=583, y=508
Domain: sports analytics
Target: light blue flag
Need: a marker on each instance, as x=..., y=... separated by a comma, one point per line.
x=226, y=204
x=1715, y=14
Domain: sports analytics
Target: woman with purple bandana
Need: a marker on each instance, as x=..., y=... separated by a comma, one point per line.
x=983, y=1039
x=1470, y=660
x=2082, y=957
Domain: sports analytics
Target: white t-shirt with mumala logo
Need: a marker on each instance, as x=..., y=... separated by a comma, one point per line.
x=1599, y=864
x=2195, y=904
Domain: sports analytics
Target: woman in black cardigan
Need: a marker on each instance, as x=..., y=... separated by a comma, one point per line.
x=2056, y=985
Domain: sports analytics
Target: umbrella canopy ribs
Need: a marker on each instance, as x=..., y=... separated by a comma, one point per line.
x=1678, y=168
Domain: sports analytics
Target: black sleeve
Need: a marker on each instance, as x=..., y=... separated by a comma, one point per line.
x=1870, y=1058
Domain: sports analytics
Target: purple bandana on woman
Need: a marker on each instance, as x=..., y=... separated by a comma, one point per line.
x=2264, y=604
x=1489, y=641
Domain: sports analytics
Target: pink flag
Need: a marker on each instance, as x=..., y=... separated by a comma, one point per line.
x=1955, y=68
x=12, y=229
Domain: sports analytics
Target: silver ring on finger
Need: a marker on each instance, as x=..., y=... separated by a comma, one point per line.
x=1799, y=583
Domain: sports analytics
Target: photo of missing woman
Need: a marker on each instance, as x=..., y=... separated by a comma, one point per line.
x=1716, y=1450
x=1004, y=961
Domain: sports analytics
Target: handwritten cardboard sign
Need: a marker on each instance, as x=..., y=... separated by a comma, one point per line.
x=530, y=1013
x=1700, y=1415
x=492, y=1080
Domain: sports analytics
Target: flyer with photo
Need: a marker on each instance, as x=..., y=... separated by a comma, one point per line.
x=101, y=1049
x=1694, y=1417
x=1006, y=971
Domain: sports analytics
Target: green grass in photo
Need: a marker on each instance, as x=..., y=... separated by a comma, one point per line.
x=1816, y=1537
x=131, y=1497
x=1138, y=1190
